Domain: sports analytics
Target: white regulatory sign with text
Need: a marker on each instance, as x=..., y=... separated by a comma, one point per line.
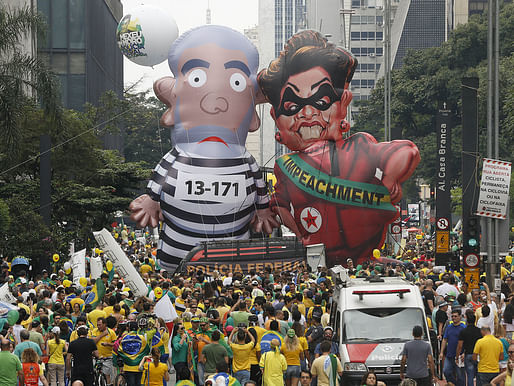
x=494, y=189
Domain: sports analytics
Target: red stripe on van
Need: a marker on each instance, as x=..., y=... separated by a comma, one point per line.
x=360, y=352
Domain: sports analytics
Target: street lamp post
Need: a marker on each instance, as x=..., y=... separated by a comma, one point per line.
x=493, y=53
x=387, y=72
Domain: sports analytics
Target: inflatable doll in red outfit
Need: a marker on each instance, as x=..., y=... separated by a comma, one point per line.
x=330, y=190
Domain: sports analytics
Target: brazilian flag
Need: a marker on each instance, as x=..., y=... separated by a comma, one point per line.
x=96, y=294
x=69, y=322
x=132, y=349
x=157, y=341
x=69, y=298
x=266, y=340
x=111, y=274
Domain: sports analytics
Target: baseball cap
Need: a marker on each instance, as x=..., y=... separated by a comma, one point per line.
x=443, y=304
x=237, y=283
x=56, y=330
x=328, y=328
x=255, y=282
x=195, y=319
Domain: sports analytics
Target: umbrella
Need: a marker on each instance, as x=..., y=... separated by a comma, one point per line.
x=20, y=261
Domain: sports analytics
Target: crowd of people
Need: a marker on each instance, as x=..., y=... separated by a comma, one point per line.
x=244, y=328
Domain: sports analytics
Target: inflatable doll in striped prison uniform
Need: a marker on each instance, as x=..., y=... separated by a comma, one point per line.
x=208, y=187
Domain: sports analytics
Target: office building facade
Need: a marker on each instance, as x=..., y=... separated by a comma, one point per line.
x=81, y=48
x=278, y=21
x=418, y=24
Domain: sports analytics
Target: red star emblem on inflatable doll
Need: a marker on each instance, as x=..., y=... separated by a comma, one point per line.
x=310, y=219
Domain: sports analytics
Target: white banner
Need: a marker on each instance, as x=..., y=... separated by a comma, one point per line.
x=6, y=295
x=121, y=262
x=494, y=189
x=78, y=265
x=96, y=267
x=164, y=309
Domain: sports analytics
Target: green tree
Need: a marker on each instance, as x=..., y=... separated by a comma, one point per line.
x=22, y=76
x=89, y=184
x=5, y=219
x=433, y=76
x=136, y=118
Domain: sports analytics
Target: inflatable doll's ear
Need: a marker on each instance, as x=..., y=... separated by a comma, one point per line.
x=163, y=89
x=255, y=123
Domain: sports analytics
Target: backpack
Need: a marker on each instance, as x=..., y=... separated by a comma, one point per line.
x=317, y=312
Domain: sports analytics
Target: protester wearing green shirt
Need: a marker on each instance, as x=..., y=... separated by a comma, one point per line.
x=10, y=366
x=179, y=347
x=213, y=353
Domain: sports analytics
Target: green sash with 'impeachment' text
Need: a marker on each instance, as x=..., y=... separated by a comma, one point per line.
x=333, y=189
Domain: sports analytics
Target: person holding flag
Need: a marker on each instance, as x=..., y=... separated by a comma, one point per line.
x=94, y=298
x=133, y=347
x=104, y=339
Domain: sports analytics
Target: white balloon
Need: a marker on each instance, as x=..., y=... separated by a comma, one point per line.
x=145, y=35
x=67, y=265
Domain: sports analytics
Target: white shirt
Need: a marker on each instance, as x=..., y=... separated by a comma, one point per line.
x=446, y=288
x=488, y=321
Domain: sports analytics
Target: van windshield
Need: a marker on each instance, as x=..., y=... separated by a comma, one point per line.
x=381, y=324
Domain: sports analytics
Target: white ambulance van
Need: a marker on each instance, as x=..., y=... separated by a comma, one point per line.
x=373, y=318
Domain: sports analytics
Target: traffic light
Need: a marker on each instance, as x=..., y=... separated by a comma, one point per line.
x=472, y=233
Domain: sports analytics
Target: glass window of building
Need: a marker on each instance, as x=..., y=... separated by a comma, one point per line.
x=77, y=24
x=59, y=24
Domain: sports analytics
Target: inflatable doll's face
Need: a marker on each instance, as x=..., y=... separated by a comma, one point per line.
x=310, y=110
x=214, y=88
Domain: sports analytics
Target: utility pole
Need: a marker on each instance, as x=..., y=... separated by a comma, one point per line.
x=345, y=40
x=387, y=72
x=493, y=53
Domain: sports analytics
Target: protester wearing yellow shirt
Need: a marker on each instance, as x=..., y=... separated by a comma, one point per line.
x=104, y=339
x=146, y=267
x=293, y=352
x=490, y=351
x=109, y=310
x=93, y=316
x=81, y=321
x=273, y=365
x=255, y=354
x=55, y=347
x=241, y=351
x=504, y=272
x=165, y=338
x=153, y=370
x=307, y=301
x=299, y=331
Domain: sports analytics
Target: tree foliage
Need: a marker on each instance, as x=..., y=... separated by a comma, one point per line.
x=22, y=76
x=89, y=184
x=432, y=76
